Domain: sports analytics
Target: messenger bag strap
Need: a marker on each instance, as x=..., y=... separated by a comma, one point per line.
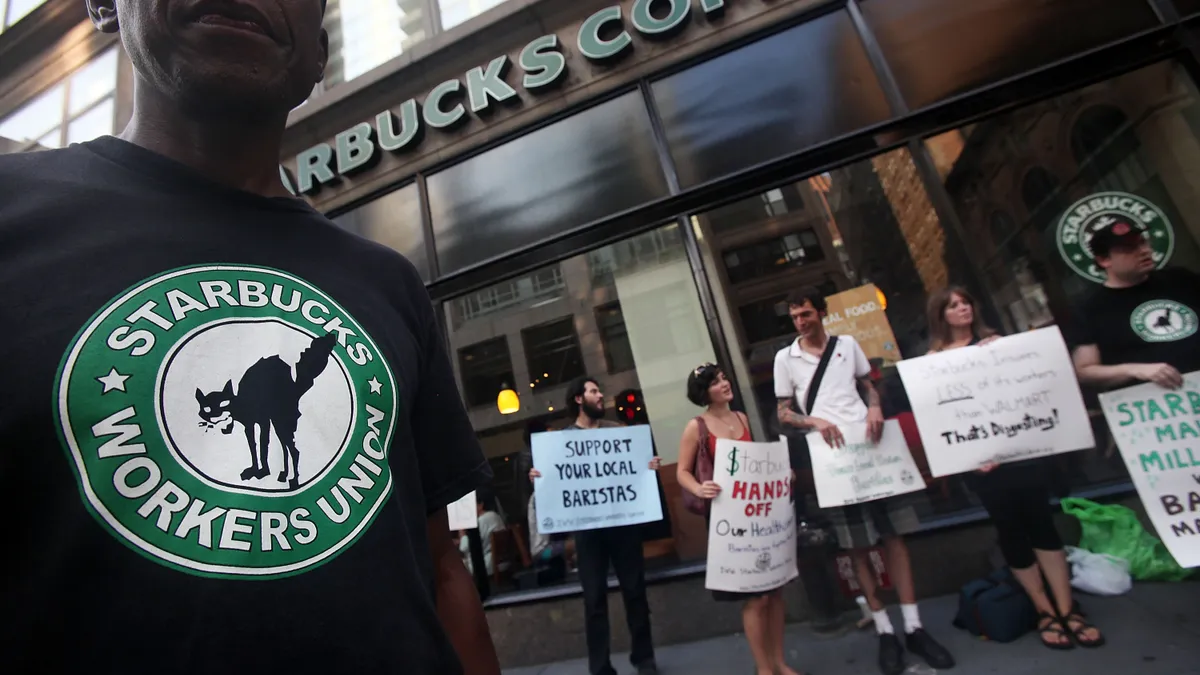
x=810, y=396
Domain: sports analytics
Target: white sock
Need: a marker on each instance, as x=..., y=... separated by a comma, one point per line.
x=883, y=624
x=912, y=618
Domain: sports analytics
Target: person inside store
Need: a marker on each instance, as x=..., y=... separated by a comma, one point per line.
x=596, y=549
x=553, y=552
x=182, y=228
x=1017, y=497
x=762, y=612
x=1141, y=324
x=822, y=375
x=489, y=522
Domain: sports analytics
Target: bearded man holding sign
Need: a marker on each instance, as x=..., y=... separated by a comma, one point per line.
x=822, y=375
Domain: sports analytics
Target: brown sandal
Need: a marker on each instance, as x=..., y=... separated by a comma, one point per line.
x=1077, y=633
x=1048, y=623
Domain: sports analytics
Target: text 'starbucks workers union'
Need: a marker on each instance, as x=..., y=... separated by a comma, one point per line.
x=228, y=421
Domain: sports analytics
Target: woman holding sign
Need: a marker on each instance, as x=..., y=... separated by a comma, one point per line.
x=1017, y=497
x=762, y=613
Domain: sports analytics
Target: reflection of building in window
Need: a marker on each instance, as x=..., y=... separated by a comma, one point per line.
x=12, y=11
x=1105, y=145
x=544, y=284
x=626, y=257
x=773, y=255
x=78, y=109
x=364, y=34
x=618, y=353
x=552, y=352
x=486, y=369
x=455, y=12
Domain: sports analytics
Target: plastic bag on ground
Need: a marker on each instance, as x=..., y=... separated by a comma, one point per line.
x=1115, y=530
x=1097, y=573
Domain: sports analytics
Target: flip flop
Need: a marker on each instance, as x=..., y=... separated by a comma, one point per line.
x=1055, y=627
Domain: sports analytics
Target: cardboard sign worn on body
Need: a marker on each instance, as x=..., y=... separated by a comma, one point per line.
x=752, y=529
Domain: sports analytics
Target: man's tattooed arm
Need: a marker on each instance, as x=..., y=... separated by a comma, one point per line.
x=783, y=410
x=873, y=399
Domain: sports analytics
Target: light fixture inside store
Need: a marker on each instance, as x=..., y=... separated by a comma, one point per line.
x=881, y=298
x=508, y=402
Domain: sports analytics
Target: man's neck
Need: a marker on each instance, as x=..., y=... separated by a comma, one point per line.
x=1125, y=282
x=583, y=421
x=235, y=153
x=815, y=341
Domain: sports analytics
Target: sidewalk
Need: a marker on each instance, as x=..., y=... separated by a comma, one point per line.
x=1154, y=630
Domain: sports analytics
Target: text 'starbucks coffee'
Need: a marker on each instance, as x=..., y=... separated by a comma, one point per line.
x=1086, y=216
x=228, y=421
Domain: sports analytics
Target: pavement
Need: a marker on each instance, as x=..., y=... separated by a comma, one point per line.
x=1153, y=630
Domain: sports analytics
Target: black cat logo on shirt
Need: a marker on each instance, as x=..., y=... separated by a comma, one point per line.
x=228, y=421
x=1163, y=321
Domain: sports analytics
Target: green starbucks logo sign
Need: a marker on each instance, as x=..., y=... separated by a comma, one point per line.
x=1080, y=222
x=1163, y=321
x=228, y=421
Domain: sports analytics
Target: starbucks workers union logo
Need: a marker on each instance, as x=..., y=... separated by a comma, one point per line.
x=228, y=421
x=1163, y=321
x=1080, y=222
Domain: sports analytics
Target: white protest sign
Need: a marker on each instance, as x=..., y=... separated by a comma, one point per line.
x=463, y=514
x=594, y=478
x=752, y=531
x=1158, y=434
x=1013, y=399
x=861, y=471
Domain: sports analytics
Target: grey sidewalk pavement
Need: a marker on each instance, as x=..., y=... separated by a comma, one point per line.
x=1153, y=630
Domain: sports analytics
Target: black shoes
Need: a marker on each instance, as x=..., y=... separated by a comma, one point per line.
x=923, y=645
x=920, y=643
x=891, y=655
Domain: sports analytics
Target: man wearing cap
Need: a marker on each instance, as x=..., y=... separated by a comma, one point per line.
x=1141, y=325
x=229, y=429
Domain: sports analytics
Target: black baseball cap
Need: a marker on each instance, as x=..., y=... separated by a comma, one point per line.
x=1117, y=232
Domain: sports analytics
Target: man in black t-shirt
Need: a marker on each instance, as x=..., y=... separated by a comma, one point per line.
x=228, y=429
x=1141, y=325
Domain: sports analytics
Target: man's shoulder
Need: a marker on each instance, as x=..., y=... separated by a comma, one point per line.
x=43, y=168
x=785, y=351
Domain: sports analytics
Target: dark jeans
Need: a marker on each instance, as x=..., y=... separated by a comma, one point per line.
x=595, y=549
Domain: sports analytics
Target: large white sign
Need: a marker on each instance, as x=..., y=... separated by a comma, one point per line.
x=752, y=531
x=1016, y=398
x=861, y=471
x=1158, y=434
x=463, y=514
x=594, y=478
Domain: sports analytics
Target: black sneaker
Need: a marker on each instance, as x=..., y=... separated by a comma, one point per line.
x=891, y=655
x=923, y=645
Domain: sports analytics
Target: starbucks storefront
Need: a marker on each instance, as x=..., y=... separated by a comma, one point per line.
x=628, y=189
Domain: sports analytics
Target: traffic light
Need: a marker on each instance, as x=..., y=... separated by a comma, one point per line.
x=631, y=409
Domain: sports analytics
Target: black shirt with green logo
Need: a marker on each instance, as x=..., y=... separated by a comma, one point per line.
x=224, y=423
x=1153, y=322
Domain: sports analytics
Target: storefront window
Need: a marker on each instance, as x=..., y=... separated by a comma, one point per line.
x=746, y=107
x=635, y=324
x=12, y=11
x=867, y=236
x=365, y=34
x=1016, y=179
x=938, y=48
x=75, y=110
x=393, y=220
x=593, y=164
x=455, y=12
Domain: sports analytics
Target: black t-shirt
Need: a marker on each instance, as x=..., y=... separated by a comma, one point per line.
x=1153, y=322
x=224, y=423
